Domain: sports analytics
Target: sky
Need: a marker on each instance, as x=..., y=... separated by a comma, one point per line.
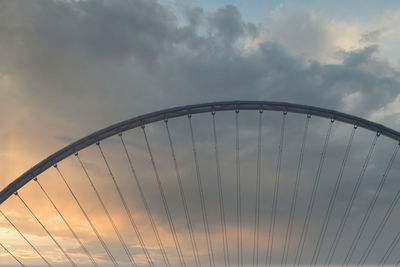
x=69, y=68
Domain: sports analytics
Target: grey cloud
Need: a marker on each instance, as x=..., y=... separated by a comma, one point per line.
x=228, y=23
x=98, y=29
x=102, y=49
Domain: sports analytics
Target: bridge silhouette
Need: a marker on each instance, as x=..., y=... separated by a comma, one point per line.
x=239, y=183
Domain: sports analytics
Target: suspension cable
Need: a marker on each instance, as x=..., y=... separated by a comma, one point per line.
x=380, y=228
x=27, y=241
x=354, y=193
x=202, y=197
x=220, y=196
x=289, y=228
x=164, y=200
x=183, y=198
x=121, y=240
x=275, y=194
x=66, y=223
x=47, y=231
x=370, y=208
x=103, y=244
x=389, y=250
x=332, y=200
x=258, y=182
x=12, y=255
x=127, y=210
x=311, y=203
x=146, y=206
x=239, y=233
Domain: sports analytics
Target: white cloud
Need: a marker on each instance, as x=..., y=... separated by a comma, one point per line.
x=389, y=113
x=307, y=34
x=351, y=101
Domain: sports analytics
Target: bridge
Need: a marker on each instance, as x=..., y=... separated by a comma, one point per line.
x=239, y=183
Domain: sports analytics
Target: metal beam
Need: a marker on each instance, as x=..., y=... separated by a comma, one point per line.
x=182, y=111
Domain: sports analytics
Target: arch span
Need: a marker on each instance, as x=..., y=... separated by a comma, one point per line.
x=182, y=111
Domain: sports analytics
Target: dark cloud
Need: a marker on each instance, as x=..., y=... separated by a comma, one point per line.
x=137, y=50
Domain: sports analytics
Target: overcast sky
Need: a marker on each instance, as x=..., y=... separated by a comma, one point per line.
x=68, y=68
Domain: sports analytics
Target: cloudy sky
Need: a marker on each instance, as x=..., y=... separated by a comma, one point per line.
x=69, y=68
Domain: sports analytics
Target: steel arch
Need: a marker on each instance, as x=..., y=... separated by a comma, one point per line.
x=182, y=111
